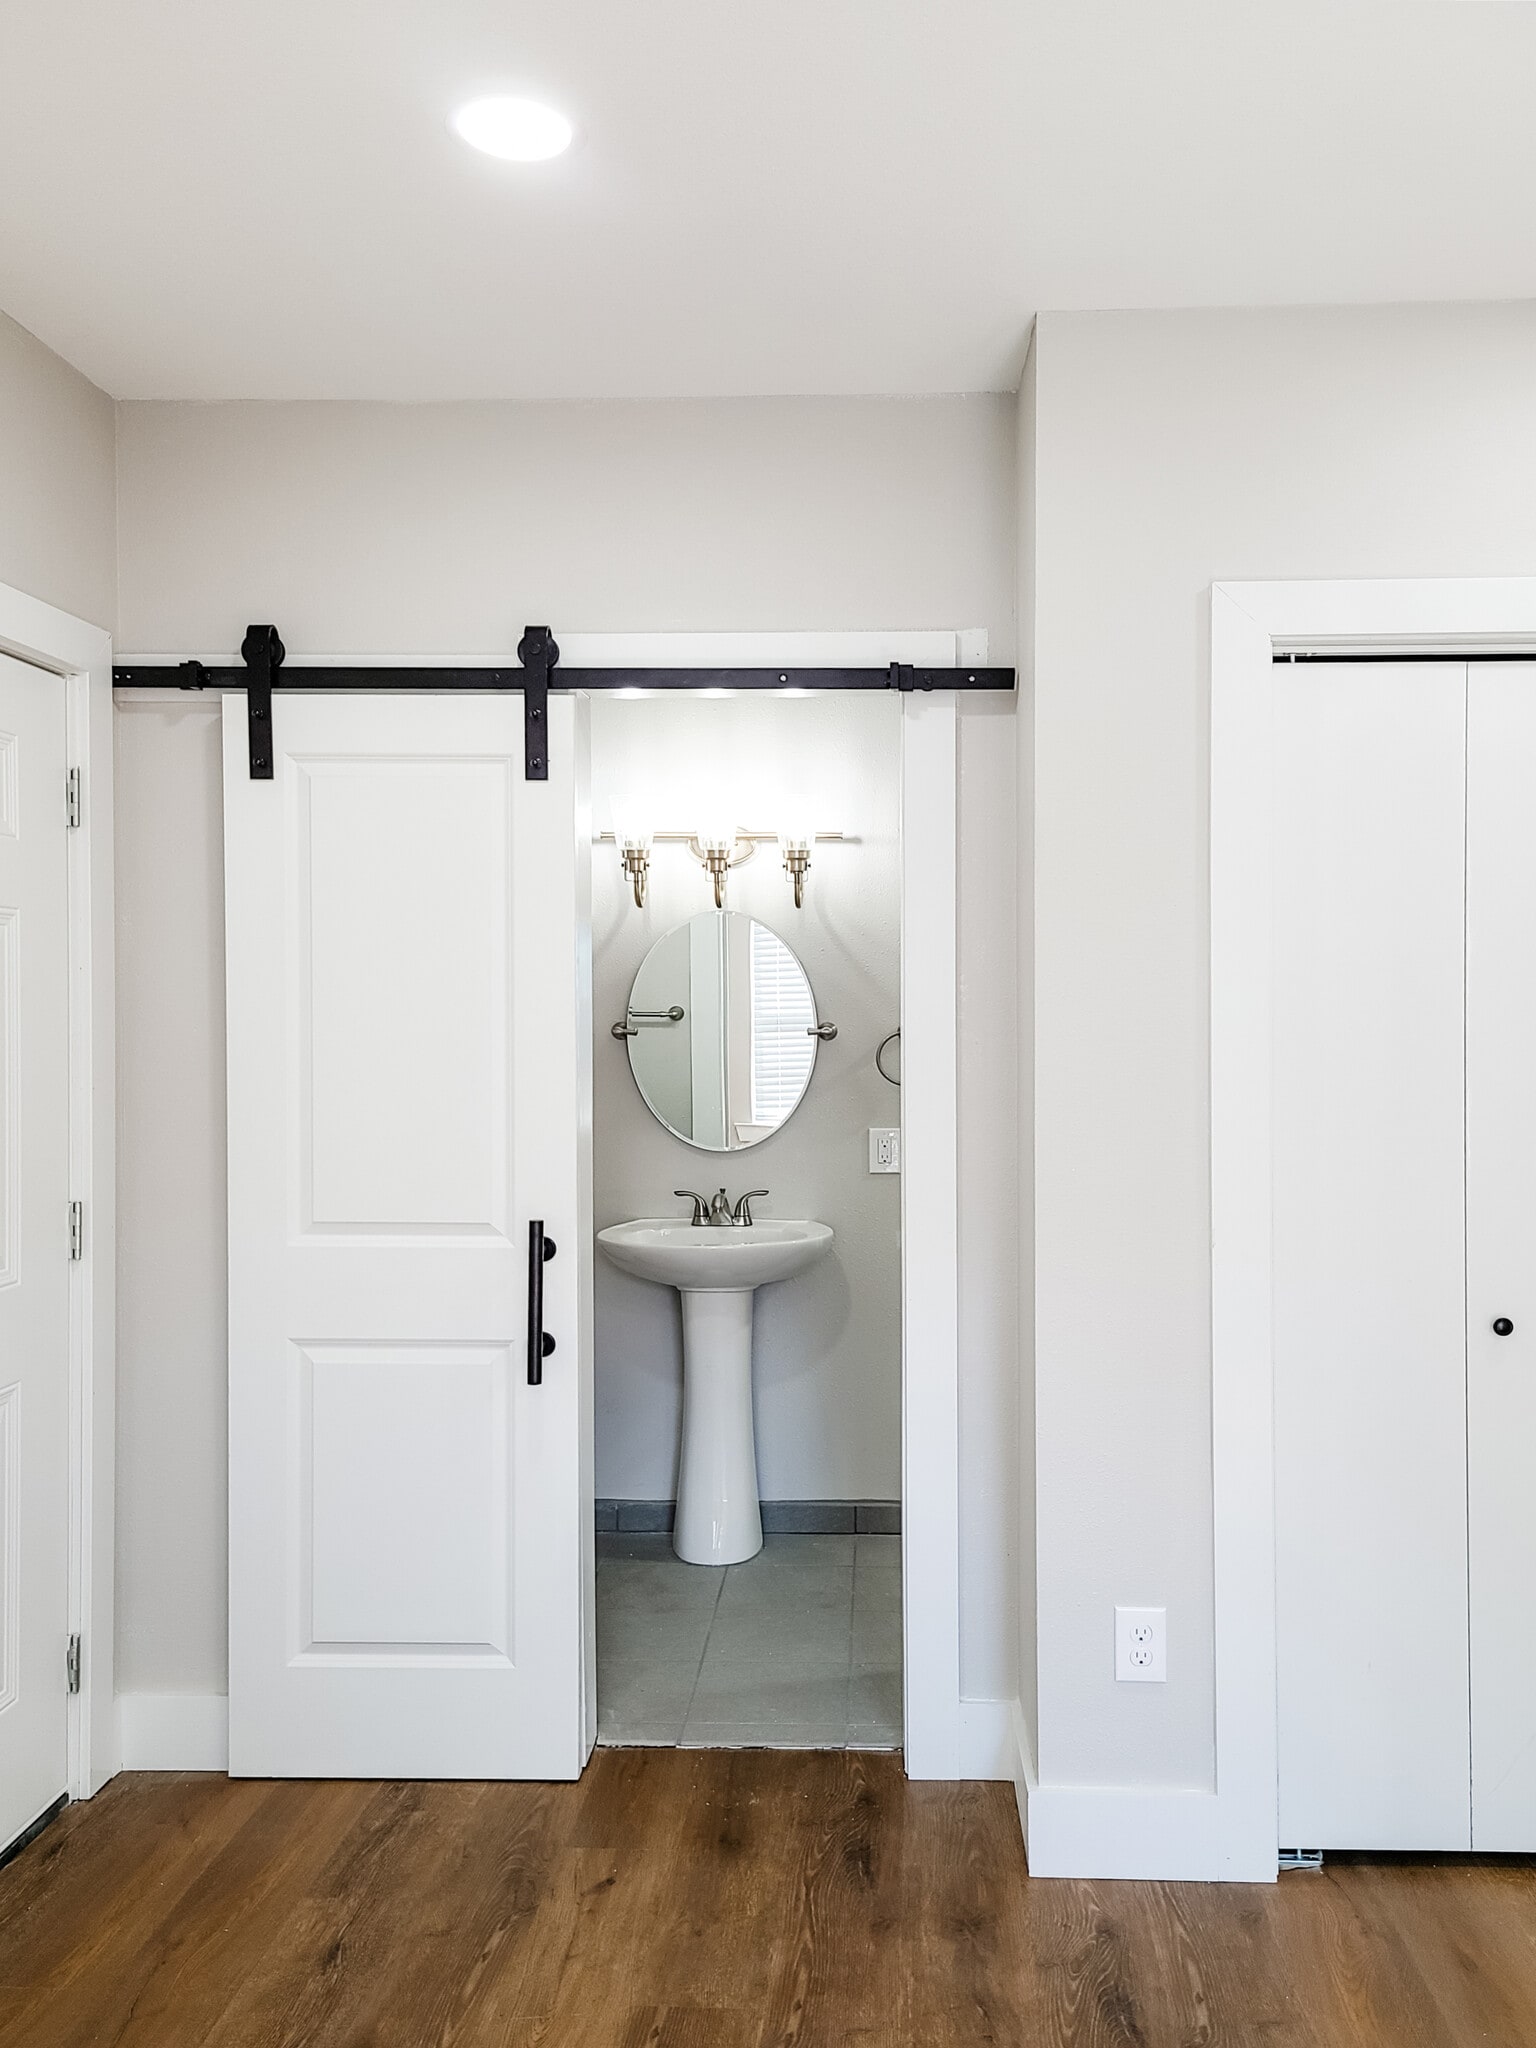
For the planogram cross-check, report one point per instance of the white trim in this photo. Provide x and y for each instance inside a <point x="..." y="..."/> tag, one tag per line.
<point x="1249" y="623"/>
<point x="81" y="655"/>
<point x="1109" y="1831"/>
<point x="1021" y="1758"/>
<point x="930" y="1347"/>
<point x="173" y="1731"/>
<point x="987" y="1739"/>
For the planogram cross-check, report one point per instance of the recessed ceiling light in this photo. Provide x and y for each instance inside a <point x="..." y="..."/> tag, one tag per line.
<point x="519" y="131"/>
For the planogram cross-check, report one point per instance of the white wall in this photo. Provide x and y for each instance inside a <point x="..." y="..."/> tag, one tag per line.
<point x="1174" y="450"/>
<point x="362" y="528"/>
<point x="57" y="491"/>
<point x="827" y="1350"/>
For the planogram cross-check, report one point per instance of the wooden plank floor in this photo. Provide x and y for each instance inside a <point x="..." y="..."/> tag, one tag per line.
<point x="709" y="1899"/>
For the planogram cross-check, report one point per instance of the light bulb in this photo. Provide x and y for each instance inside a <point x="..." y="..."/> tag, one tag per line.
<point x="630" y="828"/>
<point x="718" y="836"/>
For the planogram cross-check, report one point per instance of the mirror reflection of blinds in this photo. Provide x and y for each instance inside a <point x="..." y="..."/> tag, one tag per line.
<point x="782" y="1015"/>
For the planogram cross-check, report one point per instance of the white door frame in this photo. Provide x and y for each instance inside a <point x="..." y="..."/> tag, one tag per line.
<point x="80" y="654"/>
<point x="1233" y="1833"/>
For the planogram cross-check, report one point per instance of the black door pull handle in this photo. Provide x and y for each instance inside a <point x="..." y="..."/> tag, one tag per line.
<point x="540" y="1343"/>
<point x="1503" y="1327"/>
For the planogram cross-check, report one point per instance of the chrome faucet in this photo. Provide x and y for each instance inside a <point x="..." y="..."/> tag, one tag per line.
<point x="718" y="1214"/>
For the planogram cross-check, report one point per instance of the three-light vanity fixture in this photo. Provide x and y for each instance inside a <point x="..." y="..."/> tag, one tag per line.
<point x="718" y="845"/>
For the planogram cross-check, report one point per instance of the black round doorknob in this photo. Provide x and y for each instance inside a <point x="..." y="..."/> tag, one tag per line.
<point x="1503" y="1327"/>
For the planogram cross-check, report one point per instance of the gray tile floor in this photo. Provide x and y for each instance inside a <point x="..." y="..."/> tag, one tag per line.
<point x="798" y="1649"/>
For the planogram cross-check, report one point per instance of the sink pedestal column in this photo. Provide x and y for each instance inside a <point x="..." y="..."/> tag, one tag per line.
<point x="718" y="1519"/>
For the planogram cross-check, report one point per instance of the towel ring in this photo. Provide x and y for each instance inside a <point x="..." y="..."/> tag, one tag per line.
<point x="894" y="1079"/>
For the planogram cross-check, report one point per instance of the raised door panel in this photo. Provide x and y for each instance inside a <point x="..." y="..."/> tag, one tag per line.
<point x="1501" y="1249"/>
<point x="402" y="915"/>
<point x="1370" y="1432"/>
<point x="403" y="1489"/>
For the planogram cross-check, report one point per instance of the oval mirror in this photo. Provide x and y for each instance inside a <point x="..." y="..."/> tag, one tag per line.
<point x="721" y="1028"/>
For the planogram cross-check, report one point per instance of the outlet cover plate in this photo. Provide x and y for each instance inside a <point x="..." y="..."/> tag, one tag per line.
<point x="885" y="1150"/>
<point x="1141" y="1645"/>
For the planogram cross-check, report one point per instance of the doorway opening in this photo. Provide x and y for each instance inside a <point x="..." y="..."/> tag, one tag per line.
<point x="746" y="916"/>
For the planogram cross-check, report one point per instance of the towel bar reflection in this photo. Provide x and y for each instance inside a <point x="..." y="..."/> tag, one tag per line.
<point x="635" y="1018"/>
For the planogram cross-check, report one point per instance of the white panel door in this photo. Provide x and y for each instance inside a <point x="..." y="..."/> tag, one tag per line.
<point x="34" y="1247"/>
<point x="1501" y="1249"/>
<point x="1369" y="1265"/>
<point x="410" y="1555"/>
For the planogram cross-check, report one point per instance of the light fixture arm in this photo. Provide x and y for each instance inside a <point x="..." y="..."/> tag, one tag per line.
<point x="797" y="861"/>
<point x="637" y="863"/>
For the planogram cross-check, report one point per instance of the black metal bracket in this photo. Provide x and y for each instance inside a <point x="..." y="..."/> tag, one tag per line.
<point x="538" y="653"/>
<point x="262" y="652"/>
<point x="904" y="676"/>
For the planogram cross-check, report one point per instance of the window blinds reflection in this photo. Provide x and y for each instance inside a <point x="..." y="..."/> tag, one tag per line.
<point x="782" y="1018"/>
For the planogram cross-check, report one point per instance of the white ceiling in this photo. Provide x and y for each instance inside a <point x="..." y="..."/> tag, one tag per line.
<point x="261" y="198"/>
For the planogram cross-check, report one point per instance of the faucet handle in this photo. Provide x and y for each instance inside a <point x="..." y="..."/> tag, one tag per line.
<point x="699" y="1208"/>
<point x="742" y="1213"/>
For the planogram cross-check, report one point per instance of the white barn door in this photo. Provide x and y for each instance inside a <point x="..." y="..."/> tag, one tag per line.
<point x="410" y="1551"/>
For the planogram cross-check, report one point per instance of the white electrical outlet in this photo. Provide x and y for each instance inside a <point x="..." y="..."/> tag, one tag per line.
<point x="1141" y="1644"/>
<point x="885" y="1151"/>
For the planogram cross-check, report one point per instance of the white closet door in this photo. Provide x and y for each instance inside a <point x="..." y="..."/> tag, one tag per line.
<point x="34" y="1247"/>
<point x="410" y="1556"/>
<point x="1371" y="1544"/>
<point x="1501" y="1249"/>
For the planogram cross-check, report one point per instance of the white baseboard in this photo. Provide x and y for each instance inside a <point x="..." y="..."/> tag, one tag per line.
<point x="173" y="1731"/>
<point x="1021" y="1759"/>
<point x="1118" y="1831"/>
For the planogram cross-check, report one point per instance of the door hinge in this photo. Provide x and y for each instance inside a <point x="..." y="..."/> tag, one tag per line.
<point x="77" y="1230"/>
<point x="72" y="1663"/>
<point x="73" y="797"/>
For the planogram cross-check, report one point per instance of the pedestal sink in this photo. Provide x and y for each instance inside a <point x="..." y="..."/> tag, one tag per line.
<point x="716" y="1271"/>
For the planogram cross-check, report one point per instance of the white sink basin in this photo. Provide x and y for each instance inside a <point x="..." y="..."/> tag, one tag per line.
<point x="718" y="1520"/>
<point x="711" y="1260"/>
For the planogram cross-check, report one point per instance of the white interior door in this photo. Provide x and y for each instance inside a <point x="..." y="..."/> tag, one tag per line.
<point x="34" y="1247"/>
<point x="1501" y="1249"/>
<point x="1369" y="1258"/>
<point x="410" y="1519"/>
